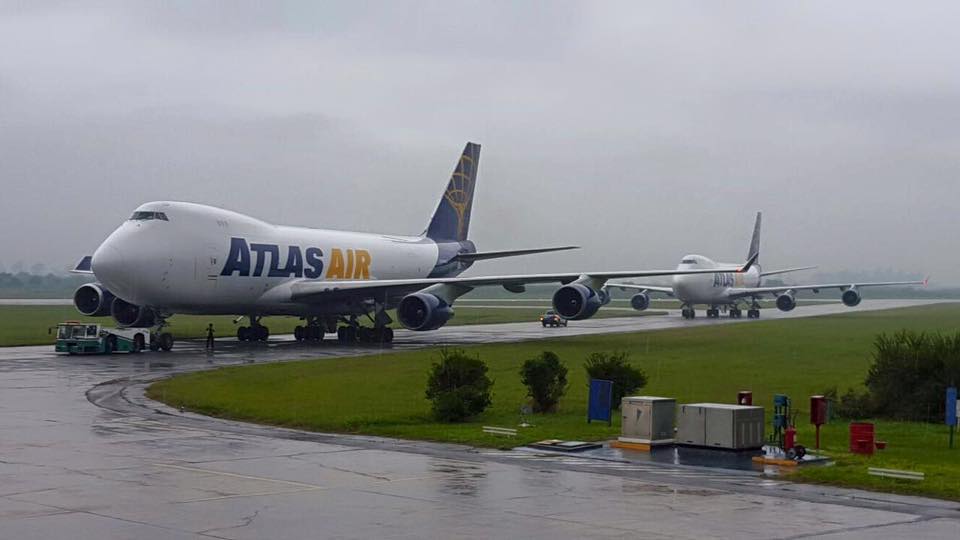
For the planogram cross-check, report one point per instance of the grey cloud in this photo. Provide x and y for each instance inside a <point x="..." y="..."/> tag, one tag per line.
<point x="640" y="131"/>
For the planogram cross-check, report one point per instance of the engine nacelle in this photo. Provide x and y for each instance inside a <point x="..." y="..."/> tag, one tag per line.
<point x="640" y="301"/>
<point x="576" y="302"/>
<point x="604" y="294"/>
<point x="786" y="301"/>
<point x="850" y="297"/>
<point x="132" y="315"/>
<point x="423" y="311"/>
<point x="93" y="300"/>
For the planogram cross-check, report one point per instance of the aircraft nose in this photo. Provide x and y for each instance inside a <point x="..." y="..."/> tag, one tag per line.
<point x="108" y="265"/>
<point x="106" y="259"/>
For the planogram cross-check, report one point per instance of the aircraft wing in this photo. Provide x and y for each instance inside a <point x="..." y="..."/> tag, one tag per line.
<point x="786" y="271"/>
<point x="652" y="288"/>
<point x="485" y="255"/>
<point x="740" y="292"/>
<point x="309" y="291"/>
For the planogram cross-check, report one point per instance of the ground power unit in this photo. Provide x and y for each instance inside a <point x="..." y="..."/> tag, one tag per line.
<point x="719" y="425"/>
<point x="647" y="420"/>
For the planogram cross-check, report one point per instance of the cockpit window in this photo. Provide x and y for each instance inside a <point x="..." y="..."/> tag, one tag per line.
<point x="688" y="261"/>
<point x="146" y="216"/>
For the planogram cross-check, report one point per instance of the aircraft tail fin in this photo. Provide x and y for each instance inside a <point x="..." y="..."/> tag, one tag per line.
<point x="451" y="220"/>
<point x="754" y="251"/>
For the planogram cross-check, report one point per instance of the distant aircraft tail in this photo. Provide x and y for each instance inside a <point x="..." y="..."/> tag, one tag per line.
<point x="451" y="220"/>
<point x="754" y="253"/>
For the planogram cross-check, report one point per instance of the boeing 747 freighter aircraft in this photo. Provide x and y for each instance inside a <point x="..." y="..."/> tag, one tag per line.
<point x="730" y="288"/>
<point x="176" y="257"/>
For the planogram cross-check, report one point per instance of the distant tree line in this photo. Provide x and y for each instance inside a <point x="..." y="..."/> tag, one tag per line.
<point x="27" y="285"/>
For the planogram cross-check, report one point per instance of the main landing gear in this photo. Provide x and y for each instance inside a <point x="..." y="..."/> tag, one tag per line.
<point x="754" y="311"/>
<point x="734" y="312"/>
<point x="713" y="313"/>
<point x="687" y="312"/>
<point x="313" y="331"/>
<point x="352" y="332"/>
<point x="160" y="340"/>
<point x="349" y="331"/>
<point x="254" y="332"/>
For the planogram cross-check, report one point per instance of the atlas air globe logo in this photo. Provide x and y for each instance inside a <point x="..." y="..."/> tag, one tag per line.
<point x="258" y="259"/>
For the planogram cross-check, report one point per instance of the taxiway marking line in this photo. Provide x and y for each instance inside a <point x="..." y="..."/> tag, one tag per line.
<point x="234" y="475"/>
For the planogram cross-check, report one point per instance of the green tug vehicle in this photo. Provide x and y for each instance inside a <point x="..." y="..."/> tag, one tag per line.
<point x="74" y="337"/>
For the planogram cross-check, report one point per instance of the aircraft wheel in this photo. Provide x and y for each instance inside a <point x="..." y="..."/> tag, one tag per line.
<point x="387" y="334"/>
<point x="263" y="333"/>
<point x="111" y="344"/>
<point x="298" y="333"/>
<point x="365" y="334"/>
<point x="137" y="343"/>
<point x="315" y="333"/>
<point x="166" y="341"/>
<point x="347" y="335"/>
<point x="243" y="333"/>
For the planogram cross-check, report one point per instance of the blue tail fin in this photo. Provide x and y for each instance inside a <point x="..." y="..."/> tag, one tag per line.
<point x="451" y="220"/>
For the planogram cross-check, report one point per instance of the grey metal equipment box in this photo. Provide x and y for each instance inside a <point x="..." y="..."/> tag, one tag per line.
<point x="647" y="419"/>
<point x="719" y="425"/>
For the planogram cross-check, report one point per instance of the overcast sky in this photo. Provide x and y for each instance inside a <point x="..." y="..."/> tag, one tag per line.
<point x="640" y="131"/>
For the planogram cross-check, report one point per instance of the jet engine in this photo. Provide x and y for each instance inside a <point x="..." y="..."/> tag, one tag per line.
<point x="604" y="296"/>
<point x="576" y="302"/>
<point x="640" y="301"/>
<point x="93" y="300"/>
<point x="850" y="297"/>
<point x="132" y="315"/>
<point x="423" y="311"/>
<point x="786" y="301"/>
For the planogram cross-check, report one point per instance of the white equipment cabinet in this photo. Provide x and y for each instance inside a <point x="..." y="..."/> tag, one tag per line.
<point x="720" y="425"/>
<point x="647" y="419"/>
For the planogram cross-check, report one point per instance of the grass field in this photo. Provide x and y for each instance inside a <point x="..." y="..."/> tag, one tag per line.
<point x="798" y="357"/>
<point x="27" y="325"/>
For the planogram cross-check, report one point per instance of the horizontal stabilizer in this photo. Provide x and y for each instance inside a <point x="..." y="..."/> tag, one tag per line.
<point x="786" y="271"/>
<point x="484" y="255"/>
<point x="85" y="266"/>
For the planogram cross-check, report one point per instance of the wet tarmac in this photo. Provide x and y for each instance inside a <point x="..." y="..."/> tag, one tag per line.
<point x="83" y="454"/>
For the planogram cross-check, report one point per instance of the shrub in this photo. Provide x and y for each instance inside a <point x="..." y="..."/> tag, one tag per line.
<point x="458" y="386"/>
<point x="910" y="373"/>
<point x="546" y="380"/>
<point x="852" y="405"/>
<point x="613" y="366"/>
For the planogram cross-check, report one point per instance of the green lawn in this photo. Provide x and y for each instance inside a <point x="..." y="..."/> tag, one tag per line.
<point x="383" y="394"/>
<point x="27" y="325"/>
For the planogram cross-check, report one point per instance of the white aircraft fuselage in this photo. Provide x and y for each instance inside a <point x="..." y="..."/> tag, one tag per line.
<point x="205" y="260"/>
<point x="711" y="289"/>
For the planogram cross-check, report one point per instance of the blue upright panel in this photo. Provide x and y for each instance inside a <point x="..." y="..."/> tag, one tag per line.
<point x="600" y="406"/>
<point x="952" y="406"/>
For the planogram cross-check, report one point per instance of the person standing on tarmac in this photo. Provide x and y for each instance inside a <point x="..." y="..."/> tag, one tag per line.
<point x="209" y="345"/>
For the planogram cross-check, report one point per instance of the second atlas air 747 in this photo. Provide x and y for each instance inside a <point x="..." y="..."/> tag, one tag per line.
<point x="729" y="288"/>
<point x="176" y="257"/>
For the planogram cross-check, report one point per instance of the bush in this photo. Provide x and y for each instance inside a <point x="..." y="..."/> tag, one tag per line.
<point x="853" y="405"/>
<point x="910" y="374"/>
<point x="458" y="386"/>
<point x="546" y="380"/>
<point x="613" y="366"/>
